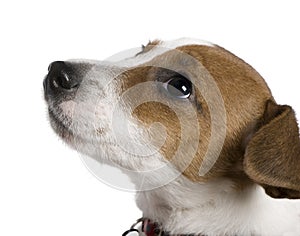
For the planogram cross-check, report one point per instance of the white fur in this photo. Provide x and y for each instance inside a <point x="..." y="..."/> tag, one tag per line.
<point x="213" y="208"/>
<point x="217" y="209"/>
<point x="162" y="47"/>
<point x="185" y="41"/>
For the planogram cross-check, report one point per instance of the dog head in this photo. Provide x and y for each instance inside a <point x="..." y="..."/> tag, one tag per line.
<point x="183" y="107"/>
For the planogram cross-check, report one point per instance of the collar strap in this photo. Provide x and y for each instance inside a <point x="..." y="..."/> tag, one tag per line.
<point x="150" y="228"/>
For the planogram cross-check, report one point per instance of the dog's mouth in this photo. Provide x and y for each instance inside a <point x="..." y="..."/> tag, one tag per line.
<point x="61" y="125"/>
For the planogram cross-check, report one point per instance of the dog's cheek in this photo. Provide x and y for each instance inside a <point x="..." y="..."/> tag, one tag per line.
<point x="188" y="159"/>
<point x="152" y="113"/>
<point x="192" y="169"/>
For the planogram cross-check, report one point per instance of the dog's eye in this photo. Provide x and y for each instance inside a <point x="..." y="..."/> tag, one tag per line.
<point x="178" y="86"/>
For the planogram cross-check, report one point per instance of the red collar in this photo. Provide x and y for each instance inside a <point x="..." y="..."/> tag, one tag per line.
<point x="149" y="228"/>
<point x="146" y="226"/>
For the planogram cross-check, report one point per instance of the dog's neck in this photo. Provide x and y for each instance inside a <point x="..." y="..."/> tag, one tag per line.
<point x="217" y="208"/>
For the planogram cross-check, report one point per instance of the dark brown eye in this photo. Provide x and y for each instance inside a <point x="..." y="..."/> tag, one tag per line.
<point x="179" y="87"/>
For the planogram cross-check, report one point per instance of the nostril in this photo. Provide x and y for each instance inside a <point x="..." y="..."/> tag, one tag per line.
<point x="64" y="81"/>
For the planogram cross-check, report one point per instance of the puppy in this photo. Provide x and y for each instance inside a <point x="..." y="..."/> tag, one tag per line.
<point x="197" y="131"/>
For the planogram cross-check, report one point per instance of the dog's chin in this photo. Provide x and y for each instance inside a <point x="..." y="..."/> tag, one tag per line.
<point x="62" y="129"/>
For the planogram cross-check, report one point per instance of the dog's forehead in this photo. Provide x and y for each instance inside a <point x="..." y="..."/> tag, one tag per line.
<point x="159" y="48"/>
<point x="172" y="44"/>
<point x="135" y="56"/>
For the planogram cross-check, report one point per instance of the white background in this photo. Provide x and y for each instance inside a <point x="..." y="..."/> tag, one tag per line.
<point x="44" y="187"/>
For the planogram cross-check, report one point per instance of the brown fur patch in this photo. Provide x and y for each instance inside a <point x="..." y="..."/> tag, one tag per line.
<point x="244" y="93"/>
<point x="151" y="112"/>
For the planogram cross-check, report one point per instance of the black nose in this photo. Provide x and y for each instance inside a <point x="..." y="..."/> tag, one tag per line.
<point x="61" y="77"/>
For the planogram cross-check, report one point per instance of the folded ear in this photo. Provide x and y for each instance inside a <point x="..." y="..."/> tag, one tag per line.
<point x="272" y="156"/>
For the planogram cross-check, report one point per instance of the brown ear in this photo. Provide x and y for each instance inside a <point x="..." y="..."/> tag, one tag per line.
<point x="272" y="156"/>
